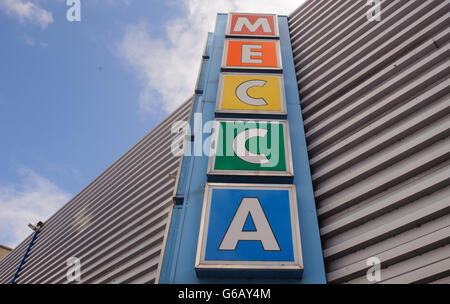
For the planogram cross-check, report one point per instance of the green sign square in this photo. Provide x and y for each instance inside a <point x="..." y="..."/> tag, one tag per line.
<point x="255" y="146"/>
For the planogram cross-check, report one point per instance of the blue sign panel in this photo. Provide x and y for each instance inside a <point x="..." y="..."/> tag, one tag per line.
<point x="249" y="228"/>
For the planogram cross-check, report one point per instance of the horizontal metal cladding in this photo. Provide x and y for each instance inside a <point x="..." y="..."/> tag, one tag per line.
<point x="375" y="104"/>
<point x="116" y="225"/>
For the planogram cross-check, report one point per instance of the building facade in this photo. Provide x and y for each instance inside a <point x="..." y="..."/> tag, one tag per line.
<point x="375" y="104"/>
<point x="374" y="108"/>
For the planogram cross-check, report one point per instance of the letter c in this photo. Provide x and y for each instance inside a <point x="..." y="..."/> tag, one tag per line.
<point x="242" y="92"/>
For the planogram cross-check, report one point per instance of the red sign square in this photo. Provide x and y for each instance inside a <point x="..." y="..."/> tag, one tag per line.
<point x="261" y="25"/>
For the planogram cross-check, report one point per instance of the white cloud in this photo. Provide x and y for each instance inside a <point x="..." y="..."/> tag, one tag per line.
<point x="168" y="68"/>
<point x="27" y="11"/>
<point x="33" y="200"/>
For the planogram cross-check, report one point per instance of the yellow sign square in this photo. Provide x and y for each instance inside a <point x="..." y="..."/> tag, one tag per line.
<point x="251" y="93"/>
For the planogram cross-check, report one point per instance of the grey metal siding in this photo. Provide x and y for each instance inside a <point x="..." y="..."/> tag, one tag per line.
<point x="375" y="104"/>
<point x="116" y="225"/>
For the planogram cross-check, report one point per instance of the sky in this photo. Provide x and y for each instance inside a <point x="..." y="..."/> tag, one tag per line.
<point x="75" y="96"/>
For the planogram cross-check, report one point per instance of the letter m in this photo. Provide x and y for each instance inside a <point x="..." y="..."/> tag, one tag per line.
<point x="252" y="27"/>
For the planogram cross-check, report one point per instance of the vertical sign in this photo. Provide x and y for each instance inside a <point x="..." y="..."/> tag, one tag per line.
<point x="250" y="229"/>
<point x="259" y="224"/>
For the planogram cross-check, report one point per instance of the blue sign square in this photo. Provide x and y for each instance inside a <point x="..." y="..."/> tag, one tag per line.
<point x="276" y="207"/>
<point x="249" y="229"/>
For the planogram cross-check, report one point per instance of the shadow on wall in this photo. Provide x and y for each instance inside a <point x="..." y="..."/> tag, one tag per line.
<point x="4" y="251"/>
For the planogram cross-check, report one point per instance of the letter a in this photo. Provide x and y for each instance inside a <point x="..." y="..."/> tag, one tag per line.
<point x="263" y="232"/>
<point x="74" y="271"/>
<point x="74" y="12"/>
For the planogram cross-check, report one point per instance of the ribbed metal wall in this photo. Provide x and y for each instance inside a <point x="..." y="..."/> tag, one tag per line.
<point x="375" y="103"/>
<point x="116" y="225"/>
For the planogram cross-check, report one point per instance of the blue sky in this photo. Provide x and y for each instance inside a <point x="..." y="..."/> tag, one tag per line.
<point x="74" y="96"/>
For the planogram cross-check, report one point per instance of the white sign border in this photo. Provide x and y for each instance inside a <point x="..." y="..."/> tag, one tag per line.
<point x="202" y="264"/>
